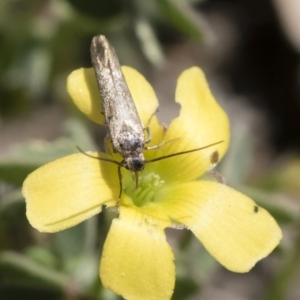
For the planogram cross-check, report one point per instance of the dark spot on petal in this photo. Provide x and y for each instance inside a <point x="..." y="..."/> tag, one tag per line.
<point x="256" y="208"/>
<point x="214" y="158"/>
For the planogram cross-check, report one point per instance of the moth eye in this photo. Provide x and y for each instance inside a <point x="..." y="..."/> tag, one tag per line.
<point x="137" y="164"/>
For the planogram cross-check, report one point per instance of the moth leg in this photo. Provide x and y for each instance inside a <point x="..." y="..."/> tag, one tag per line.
<point x="161" y="144"/>
<point x="149" y="136"/>
<point x="148" y="140"/>
<point x="121" y="185"/>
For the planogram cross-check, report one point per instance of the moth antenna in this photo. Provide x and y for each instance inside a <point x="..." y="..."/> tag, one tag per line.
<point x="100" y="158"/>
<point x="183" y="152"/>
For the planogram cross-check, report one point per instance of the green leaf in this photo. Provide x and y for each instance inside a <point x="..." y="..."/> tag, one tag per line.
<point x="25" y="158"/>
<point x="42" y="256"/>
<point x="184" y="288"/>
<point x="181" y="16"/>
<point x="20" y="266"/>
<point x="98" y="9"/>
<point x="15" y="291"/>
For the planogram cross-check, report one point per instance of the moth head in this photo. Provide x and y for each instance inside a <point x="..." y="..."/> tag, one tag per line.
<point x="135" y="163"/>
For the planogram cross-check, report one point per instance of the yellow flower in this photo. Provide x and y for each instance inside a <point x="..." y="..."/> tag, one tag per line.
<point x="137" y="262"/>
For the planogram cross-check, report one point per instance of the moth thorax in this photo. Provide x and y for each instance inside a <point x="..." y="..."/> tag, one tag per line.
<point x="132" y="145"/>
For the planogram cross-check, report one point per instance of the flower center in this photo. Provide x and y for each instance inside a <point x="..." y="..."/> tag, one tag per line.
<point x="149" y="183"/>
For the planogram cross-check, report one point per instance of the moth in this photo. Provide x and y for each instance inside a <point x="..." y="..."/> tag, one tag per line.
<point x="124" y="125"/>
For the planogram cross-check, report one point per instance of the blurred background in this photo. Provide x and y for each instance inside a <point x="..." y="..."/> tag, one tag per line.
<point x="249" y="51"/>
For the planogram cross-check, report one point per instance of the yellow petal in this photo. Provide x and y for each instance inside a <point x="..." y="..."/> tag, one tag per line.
<point x="69" y="190"/>
<point x="83" y="89"/>
<point x="230" y="225"/>
<point x="143" y="199"/>
<point x="142" y="93"/>
<point x="201" y="122"/>
<point x="137" y="262"/>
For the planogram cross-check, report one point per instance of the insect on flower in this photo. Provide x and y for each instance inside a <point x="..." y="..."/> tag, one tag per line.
<point x="125" y="128"/>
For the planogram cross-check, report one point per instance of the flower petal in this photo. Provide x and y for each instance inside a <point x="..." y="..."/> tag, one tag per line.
<point x="69" y="190"/>
<point x="142" y="93"/>
<point x="137" y="262"/>
<point x="201" y="122"/>
<point x="83" y="89"/>
<point x="230" y="225"/>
